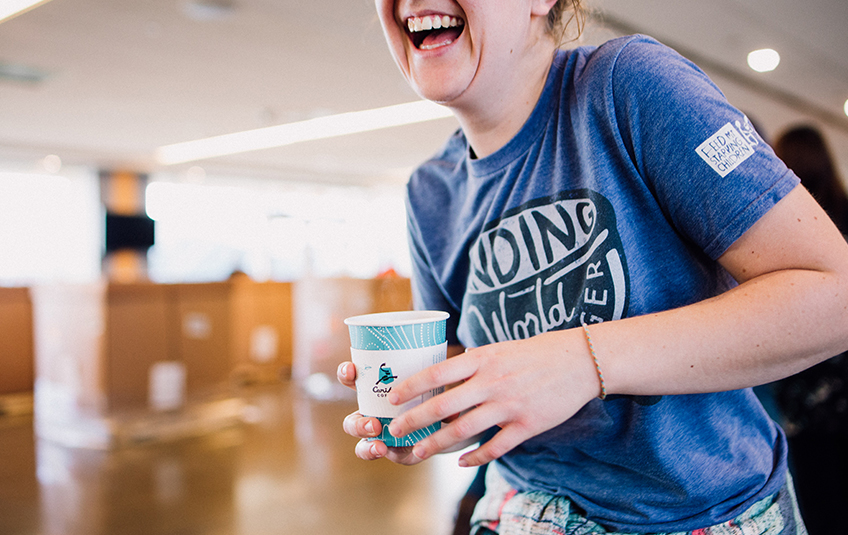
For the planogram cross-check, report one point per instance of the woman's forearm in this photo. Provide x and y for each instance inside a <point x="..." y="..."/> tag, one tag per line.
<point x="765" y="329"/>
<point x="789" y="312"/>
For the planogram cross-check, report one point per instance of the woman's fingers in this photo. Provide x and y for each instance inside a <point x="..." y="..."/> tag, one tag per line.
<point x="360" y="426"/>
<point x="405" y="456"/>
<point x="441" y="408"/>
<point x="460" y="433"/>
<point x="346" y="374"/>
<point x="448" y="372"/>
<point x="357" y="425"/>
<point x="506" y="439"/>
<point x="370" y="450"/>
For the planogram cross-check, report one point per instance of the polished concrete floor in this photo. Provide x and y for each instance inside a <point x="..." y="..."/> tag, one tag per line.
<point x="288" y="468"/>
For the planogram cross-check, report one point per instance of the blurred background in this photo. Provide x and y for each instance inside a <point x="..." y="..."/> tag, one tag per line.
<point x="171" y="300"/>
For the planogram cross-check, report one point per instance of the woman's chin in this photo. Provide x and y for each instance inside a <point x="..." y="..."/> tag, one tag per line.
<point x="438" y="93"/>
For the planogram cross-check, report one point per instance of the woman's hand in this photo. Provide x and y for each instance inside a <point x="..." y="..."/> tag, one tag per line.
<point x="362" y="427"/>
<point x="524" y="387"/>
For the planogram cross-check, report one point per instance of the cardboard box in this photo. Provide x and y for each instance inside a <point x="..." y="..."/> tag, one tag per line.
<point x="261" y="322"/>
<point x="17" y="362"/>
<point x="392" y="294"/>
<point x="138" y="321"/>
<point x="203" y="340"/>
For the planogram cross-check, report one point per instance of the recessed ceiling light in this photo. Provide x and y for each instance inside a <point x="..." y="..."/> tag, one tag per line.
<point x="845" y="108"/>
<point x="203" y="10"/>
<point x="12" y="72"/>
<point x="52" y="163"/>
<point x="764" y="60"/>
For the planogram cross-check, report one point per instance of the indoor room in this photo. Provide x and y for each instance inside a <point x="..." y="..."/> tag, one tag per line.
<point x="196" y="194"/>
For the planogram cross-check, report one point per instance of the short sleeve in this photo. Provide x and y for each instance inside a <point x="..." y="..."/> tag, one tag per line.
<point x="712" y="174"/>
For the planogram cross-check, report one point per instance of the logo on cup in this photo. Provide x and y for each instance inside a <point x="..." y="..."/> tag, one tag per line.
<point x="386" y="376"/>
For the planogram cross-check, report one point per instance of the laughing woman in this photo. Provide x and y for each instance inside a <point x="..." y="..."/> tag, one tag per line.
<point x="624" y="257"/>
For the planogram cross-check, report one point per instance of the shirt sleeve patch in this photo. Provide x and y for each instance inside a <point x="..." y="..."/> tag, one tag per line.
<point x="731" y="145"/>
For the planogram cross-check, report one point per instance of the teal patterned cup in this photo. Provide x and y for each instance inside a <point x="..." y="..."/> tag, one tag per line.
<point x="387" y="348"/>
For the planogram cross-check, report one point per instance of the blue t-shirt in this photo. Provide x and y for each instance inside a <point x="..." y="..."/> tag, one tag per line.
<point x="629" y="179"/>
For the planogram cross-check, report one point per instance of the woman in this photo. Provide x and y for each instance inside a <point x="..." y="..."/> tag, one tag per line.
<point x="623" y="257"/>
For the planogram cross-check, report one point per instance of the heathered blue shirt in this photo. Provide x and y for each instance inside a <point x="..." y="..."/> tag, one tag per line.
<point x="630" y="178"/>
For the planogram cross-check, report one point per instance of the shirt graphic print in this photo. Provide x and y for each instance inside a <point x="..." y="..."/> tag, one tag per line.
<point x="552" y="263"/>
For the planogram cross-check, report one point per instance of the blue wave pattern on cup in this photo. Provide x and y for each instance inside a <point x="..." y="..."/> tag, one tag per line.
<point x="412" y="336"/>
<point x="407" y="441"/>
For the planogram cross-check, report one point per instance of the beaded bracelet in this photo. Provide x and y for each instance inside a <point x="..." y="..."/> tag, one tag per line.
<point x="595" y="359"/>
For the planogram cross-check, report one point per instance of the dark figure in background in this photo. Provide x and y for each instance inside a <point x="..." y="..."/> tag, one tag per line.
<point x="805" y="151"/>
<point x="814" y="403"/>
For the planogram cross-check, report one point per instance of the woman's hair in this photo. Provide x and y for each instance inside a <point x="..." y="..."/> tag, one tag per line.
<point x="804" y="150"/>
<point x="558" y="22"/>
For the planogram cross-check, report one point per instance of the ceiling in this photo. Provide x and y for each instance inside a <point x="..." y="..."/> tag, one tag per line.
<point x="106" y="82"/>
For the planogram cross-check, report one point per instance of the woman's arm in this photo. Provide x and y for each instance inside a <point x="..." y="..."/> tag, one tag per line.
<point x="789" y="312"/>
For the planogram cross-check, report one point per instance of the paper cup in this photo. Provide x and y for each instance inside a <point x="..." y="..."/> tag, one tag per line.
<point x="388" y="348"/>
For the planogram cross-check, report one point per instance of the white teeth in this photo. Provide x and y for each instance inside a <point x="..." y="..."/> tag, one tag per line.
<point x="432" y="22"/>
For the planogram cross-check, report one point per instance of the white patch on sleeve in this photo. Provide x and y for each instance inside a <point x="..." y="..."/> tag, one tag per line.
<point x="726" y="149"/>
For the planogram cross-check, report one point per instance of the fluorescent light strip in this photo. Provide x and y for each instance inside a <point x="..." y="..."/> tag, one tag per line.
<point x="312" y="129"/>
<point x="11" y="8"/>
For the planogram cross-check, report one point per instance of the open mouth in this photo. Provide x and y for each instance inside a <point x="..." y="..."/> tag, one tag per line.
<point x="434" y="31"/>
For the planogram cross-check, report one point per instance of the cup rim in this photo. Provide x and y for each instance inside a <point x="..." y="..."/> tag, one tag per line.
<point x="392" y="319"/>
